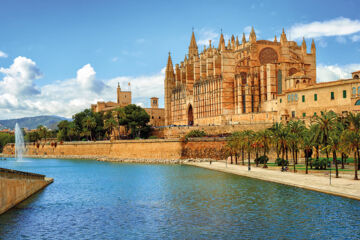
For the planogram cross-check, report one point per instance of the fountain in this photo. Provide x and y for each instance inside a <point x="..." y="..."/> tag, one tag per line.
<point x="19" y="143"/>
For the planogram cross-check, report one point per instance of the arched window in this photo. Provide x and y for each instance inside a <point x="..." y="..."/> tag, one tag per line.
<point x="296" y="97"/>
<point x="354" y="90"/>
<point x="356" y="77"/>
<point x="291" y="97"/>
<point x="279" y="79"/>
<point x="357" y="102"/>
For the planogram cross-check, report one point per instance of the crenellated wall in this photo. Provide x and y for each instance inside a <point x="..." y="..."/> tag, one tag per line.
<point x="16" y="186"/>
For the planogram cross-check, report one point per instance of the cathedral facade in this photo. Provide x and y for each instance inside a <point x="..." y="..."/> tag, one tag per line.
<point x="251" y="81"/>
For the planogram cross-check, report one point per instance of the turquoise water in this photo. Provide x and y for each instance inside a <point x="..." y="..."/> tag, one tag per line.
<point x="97" y="200"/>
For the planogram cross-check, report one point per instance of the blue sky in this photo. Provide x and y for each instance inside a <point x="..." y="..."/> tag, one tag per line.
<point x="57" y="57"/>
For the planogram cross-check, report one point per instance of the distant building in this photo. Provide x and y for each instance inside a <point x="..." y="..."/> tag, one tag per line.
<point x="252" y="81"/>
<point x="157" y="115"/>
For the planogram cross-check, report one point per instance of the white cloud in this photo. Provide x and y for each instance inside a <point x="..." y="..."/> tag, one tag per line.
<point x="86" y="76"/>
<point x="114" y="59"/>
<point x="207" y="34"/>
<point x="327" y="73"/>
<point x="140" y="40"/>
<point x="335" y="27"/>
<point x="3" y="55"/>
<point x="355" y="38"/>
<point x="20" y="76"/>
<point x="66" y="97"/>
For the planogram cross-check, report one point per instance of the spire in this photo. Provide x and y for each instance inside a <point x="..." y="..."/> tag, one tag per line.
<point x="275" y="40"/>
<point x="221" y="42"/>
<point x="243" y="39"/>
<point x="169" y="65"/>
<point x="229" y="44"/>
<point x="313" y="48"/>
<point x="118" y="85"/>
<point x="193" y="49"/>
<point x="237" y="41"/>
<point x="252" y="37"/>
<point x="303" y="46"/>
<point x="283" y="37"/>
<point x="210" y="43"/>
<point x="232" y="42"/>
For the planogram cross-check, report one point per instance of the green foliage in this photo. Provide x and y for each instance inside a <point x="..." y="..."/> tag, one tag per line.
<point x="6" y="138"/>
<point x="320" y="163"/>
<point x="280" y="162"/>
<point x="262" y="159"/>
<point x="195" y="133"/>
<point x="153" y="137"/>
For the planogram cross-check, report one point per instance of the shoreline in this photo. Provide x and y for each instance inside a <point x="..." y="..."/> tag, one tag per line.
<point x="341" y="187"/>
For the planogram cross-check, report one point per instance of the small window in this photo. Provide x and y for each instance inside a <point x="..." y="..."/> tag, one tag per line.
<point x="358" y="90"/>
<point x="159" y="117"/>
<point x="332" y="96"/>
<point x="344" y="93"/>
<point x="354" y="90"/>
<point x="296" y="97"/>
<point x="280" y="100"/>
<point x="289" y="98"/>
<point x="303" y="98"/>
<point x="314" y="113"/>
<point x="304" y="114"/>
<point x="152" y="117"/>
<point x="315" y="97"/>
<point x="293" y="114"/>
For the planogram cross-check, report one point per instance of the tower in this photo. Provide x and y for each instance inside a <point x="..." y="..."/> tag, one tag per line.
<point x="303" y="47"/>
<point x="193" y="49"/>
<point x="169" y="83"/>
<point x="154" y="102"/>
<point x="118" y="91"/>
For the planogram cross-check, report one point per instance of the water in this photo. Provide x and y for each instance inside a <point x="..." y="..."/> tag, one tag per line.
<point x="19" y="143"/>
<point x="97" y="200"/>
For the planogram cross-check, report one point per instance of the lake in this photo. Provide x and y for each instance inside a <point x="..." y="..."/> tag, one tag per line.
<point x="100" y="200"/>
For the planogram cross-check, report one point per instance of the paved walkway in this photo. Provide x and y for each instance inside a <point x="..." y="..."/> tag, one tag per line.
<point x="339" y="186"/>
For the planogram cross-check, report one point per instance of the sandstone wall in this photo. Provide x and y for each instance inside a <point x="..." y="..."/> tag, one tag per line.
<point x="16" y="186"/>
<point x="135" y="149"/>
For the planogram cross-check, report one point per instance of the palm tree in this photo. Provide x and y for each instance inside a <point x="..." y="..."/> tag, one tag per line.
<point x="350" y="140"/>
<point x="248" y="139"/>
<point x="274" y="131"/>
<point x="264" y="137"/>
<point x="109" y="125"/>
<point x="296" y="130"/>
<point x="354" y="125"/>
<point x="89" y="123"/>
<point x="326" y="123"/>
<point x="307" y="146"/>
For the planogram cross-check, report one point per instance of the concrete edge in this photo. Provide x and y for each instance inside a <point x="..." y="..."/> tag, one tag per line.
<point x="282" y="182"/>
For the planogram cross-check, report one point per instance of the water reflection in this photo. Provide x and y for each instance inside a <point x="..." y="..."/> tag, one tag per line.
<point x="95" y="200"/>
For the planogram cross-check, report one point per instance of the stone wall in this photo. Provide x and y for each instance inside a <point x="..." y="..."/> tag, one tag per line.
<point x="16" y="186"/>
<point x="178" y="132"/>
<point x="135" y="149"/>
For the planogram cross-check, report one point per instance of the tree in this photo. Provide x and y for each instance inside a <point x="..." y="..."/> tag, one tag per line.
<point x="89" y="124"/>
<point x="109" y="125"/>
<point x="351" y="143"/>
<point x="307" y="146"/>
<point x="264" y="137"/>
<point x="136" y="119"/>
<point x="43" y="132"/>
<point x="326" y="123"/>
<point x="295" y="129"/>
<point x="248" y="139"/>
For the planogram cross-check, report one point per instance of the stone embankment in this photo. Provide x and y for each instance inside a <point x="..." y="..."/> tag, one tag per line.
<point x="343" y="187"/>
<point x="16" y="186"/>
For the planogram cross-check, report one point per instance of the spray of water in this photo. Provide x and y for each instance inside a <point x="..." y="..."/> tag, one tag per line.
<point x="19" y="143"/>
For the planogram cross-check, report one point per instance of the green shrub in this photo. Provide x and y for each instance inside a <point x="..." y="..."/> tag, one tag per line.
<point x="320" y="163"/>
<point x="137" y="138"/>
<point x="153" y="137"/>
<point x="195" y="133"/>
<point x="279" y="162"/>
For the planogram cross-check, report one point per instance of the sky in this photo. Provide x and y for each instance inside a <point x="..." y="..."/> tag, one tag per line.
<point x="58" y="57"/>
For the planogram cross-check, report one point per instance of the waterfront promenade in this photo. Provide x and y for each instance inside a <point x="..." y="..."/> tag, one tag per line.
<point x="339" y="186"/>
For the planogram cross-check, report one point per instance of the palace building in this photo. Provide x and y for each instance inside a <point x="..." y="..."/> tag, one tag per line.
<point x="157" y="115"/>
<point x="252" y="81"/>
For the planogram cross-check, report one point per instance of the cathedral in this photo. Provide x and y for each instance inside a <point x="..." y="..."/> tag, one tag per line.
<point x="252" y="81"/>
